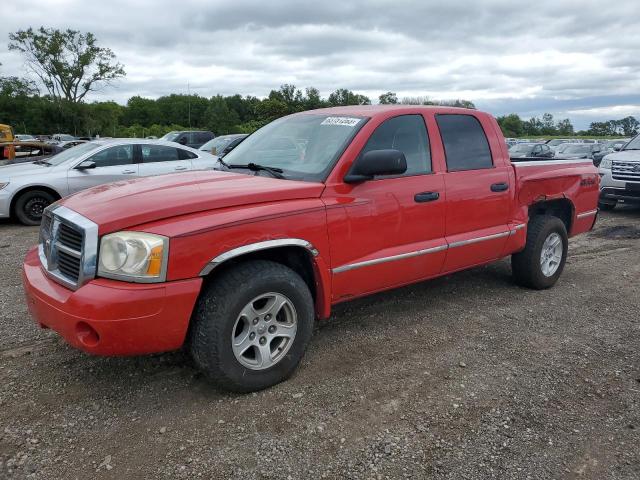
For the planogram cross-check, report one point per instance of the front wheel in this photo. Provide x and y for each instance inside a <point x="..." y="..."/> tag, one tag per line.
<point x="30" y="206"/>
<point x="541" y="262"/>
<point x="252" y="325"/>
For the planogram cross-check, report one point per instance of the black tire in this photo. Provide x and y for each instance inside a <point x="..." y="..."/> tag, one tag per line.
<point x="30" y="205"/>
<point x="217" y="310"/>
<point x="526" y="266"/>
<point x="607" y="207"/>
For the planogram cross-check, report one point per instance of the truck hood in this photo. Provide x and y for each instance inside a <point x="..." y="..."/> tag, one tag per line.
<point x="120" y="205"/>
<point x="625" y="156"/>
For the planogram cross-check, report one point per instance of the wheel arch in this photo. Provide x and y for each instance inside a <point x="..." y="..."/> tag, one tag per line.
<point x="561" y="208"/>
<point x="299" y="255"/>
<point x="30" y="188"/>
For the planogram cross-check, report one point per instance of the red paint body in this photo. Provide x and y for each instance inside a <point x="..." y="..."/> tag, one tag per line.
<point x="208" y="213"/>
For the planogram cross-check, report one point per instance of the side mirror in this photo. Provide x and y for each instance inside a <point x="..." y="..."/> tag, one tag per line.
<point x="86" y="165"/>
<point x="617" y="148"/>
<point x="376" y="162"/>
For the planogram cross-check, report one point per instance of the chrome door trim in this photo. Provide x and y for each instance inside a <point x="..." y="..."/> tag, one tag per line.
<point x="254" y="247"/>
<point x="590" y="213"/>
<point x="401" y="256"/>
<point x="471" y="241"/>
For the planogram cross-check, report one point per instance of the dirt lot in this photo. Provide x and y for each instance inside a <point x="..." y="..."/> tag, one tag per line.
<point x="465" y="377"/>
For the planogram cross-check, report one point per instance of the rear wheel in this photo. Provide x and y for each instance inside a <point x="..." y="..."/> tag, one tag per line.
<point x="30" y="205"/>
<point x="541" y="262"/>
<point x="252" y="325"/>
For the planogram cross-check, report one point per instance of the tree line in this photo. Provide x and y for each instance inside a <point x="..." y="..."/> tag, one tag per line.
<point x="68" y="65"/>
<point x="514" y="126"/>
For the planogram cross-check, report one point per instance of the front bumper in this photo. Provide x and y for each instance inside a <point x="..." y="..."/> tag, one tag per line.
<point x="617" y="194"/>
<point x="5" y="203"/>
<point x="107" y="317"/>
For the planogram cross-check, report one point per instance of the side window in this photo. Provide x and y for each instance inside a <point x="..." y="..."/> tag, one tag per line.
<point x="465" y="143"/>
<point x="203" y="137"/>
<point x="114" y="156"/>
<point x="158" y="153"/>
<point x="408" y="134"/>
<point x="185" y="154"/>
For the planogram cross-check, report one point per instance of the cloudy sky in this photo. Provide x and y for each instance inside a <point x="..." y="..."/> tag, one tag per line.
<point x="576" y="59"/>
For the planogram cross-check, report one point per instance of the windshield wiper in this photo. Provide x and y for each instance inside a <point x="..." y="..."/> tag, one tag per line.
<point x="254" y="167"/>
<point x="41" y="162"/>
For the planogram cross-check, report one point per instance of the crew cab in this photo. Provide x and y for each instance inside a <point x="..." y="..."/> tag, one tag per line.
<point x="236" y="265"/>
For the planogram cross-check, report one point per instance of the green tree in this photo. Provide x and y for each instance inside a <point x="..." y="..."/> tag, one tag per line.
<point x="68" y="63"/>
<point x="388" y="98"/>
<point x="342" y="97"/>
<point x="565" y="127"/>
<point x="511" y="125"/>
<point x="143" y="111"/>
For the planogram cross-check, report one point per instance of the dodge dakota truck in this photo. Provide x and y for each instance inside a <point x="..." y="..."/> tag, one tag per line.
<point x="314" y="209"/>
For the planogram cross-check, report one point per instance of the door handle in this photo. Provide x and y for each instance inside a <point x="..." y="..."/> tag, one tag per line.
<point x="500" y="187"/>
<point x="426" y="197"/>
<point x="128" y="172"/>
<point x="180" y="168"/>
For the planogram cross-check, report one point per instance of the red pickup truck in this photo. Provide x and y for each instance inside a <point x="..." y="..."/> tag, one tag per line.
<point x="313" y="209"/>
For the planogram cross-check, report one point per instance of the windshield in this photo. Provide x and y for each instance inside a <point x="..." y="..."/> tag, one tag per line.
<point x="521" y="148"/>
<point x="577" y="149"/>
<point x="216" y="145"/>
<point x="72" y="153"/>
<point x="304" y="146"/>
<point x="633" y="144"/>
<point x="170" y="137"/>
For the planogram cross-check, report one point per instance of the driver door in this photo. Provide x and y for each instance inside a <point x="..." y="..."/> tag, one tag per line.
<point x="112" y="164"/>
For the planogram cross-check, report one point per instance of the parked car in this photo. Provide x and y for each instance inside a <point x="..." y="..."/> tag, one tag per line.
<point x="578" y="150"/>
<point x="620" y="176"/>
<point x="530" y="150"/>
<point x="237" y="264"/>
<point x="193" y="139"/>
<point x="22" y="137"/>
<point x="223" y="144"/>
<point x="62" y="137"/>
<point x="27" y="189"/>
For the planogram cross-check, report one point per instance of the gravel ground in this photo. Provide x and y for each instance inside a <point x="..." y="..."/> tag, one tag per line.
<point x="464" y="377"/>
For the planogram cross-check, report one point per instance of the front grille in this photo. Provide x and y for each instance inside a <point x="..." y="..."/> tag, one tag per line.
<point x="68" y="246"/>
<point x="70" y="237"/>
<point x="629" y="171"/>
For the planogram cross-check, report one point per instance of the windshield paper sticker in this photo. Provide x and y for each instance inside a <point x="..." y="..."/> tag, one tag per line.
<point x="344" y="121"/>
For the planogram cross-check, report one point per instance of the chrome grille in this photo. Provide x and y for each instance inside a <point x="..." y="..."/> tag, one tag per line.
<point x="629" y="171"/>
<point x="68" y="246"/>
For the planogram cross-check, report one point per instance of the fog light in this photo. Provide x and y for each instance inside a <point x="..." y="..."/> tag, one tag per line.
<point x="87" y="334"/>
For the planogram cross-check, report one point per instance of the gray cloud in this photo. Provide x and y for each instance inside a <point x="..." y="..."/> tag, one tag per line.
<point x="575" y="59"/>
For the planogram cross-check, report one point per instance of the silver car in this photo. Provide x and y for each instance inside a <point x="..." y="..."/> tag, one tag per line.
<point x="27" y="188"/>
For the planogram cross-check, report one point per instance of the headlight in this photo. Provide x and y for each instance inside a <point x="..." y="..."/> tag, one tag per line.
<point x="2" y="185"/>
<point x="605" y="163"/>
<point x="134" y="257"/>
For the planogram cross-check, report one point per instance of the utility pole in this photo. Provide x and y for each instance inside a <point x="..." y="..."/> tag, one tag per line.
<point x="189" y="102"/>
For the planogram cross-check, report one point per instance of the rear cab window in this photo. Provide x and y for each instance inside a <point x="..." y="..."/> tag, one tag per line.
<point x="465" y="142"/>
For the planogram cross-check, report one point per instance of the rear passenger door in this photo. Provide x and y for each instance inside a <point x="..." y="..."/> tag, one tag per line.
<point x="160" y="159"/>
<point x="478" y="192"/>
